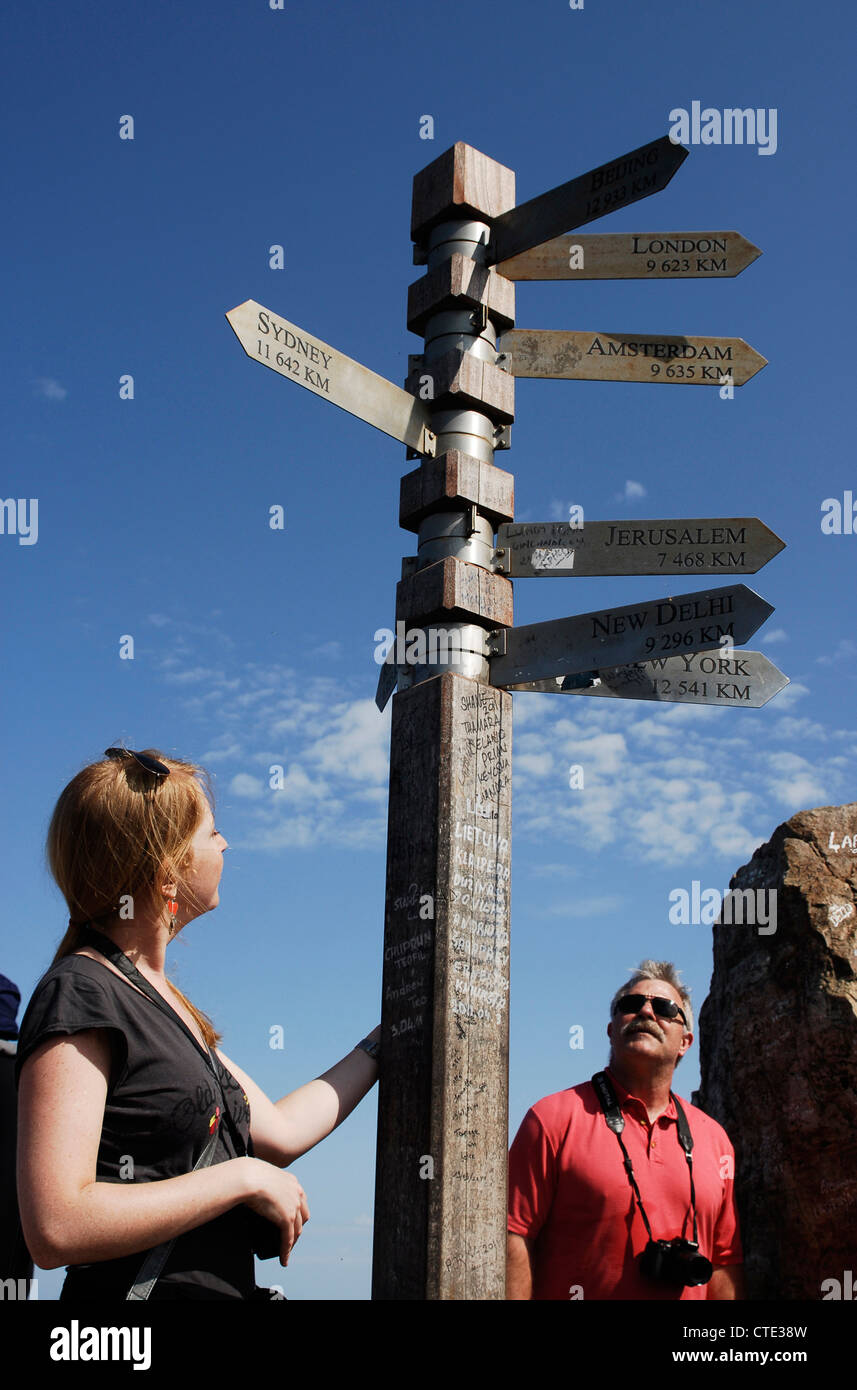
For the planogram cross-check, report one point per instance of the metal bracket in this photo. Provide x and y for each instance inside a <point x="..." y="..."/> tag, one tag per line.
<point x="501" y="562"/>
<point x="502" y="436"/>
<point x="420" y="255"/>
<point x="479" y="318"/>
<point x="496" y="642"/>
<point x="428" y="446"/>
<point x="415" y="361"/>
<point x="504" y="361"/>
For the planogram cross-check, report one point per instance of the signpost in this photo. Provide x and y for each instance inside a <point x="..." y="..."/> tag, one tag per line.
<point x="606" y="189"/>
<point x="743" y="679"/>
<point x="307" y="361"/>
<point x="584" y="356"/>
<point x="615" y="636"/>
<point x="440" y="1205"/>
<point x="635" y="256"/>
<point x="704" y="545"/>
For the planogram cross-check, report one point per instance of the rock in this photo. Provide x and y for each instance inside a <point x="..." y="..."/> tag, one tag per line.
<point x="778" y="1056"/>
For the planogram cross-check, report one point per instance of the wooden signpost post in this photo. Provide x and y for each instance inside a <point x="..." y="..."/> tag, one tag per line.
<point x="440" y="1203"/>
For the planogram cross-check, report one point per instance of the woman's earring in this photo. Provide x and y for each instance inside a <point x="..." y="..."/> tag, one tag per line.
<point x="172" y="908"/>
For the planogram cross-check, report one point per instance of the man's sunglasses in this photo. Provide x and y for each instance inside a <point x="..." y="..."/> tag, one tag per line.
<point x="152" y="765"/>
<point x="662" y="1008"/>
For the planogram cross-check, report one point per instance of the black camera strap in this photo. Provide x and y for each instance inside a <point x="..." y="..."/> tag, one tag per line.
<point x="616" y="1121"/>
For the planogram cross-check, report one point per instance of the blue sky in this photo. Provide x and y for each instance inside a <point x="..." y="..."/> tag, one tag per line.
<point x="300" y="127"/>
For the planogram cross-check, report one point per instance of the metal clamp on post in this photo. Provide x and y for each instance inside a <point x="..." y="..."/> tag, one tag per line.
<point x="500" y="562"/>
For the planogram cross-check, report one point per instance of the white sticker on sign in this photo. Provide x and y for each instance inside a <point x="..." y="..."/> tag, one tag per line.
<point x="552" y="557"/>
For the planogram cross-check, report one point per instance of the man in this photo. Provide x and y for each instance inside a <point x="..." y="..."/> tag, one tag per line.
<point x="575" y="1226"/>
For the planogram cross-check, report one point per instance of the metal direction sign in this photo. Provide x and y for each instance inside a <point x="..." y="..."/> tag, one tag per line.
<point x="325" y="371"/>
<point x="704" y="545"/>
<point x="585" y="356"/>
<point x="746" y="680"/>
<point x="387" y="681"/>
<point x="635" y="256"/>
<point x="619" y="636"/>
<point x="611" y="186"/>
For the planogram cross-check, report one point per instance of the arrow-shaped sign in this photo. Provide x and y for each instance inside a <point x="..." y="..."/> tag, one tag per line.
<point x="325" y="371"/>
<point x="619" y="636"/>
<point x="583" y="356"/>
<point x="605" y="189"/>
<point x="747" y="680"/>
<point x="704" y="545"/>
<point x="388" y="678"/>
<point x="634" y="256"/>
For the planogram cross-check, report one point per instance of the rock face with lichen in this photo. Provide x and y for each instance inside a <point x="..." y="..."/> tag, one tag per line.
<point x="778" y="1055"/>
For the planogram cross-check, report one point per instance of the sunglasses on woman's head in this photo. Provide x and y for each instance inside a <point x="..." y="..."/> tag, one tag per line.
<point x="663" y="1008"/>
<point x="152" y="765"/>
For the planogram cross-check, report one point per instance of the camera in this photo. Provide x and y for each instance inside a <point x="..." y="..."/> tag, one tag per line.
<point x="675" y="1262"/>
<point x="265" y="1237"/>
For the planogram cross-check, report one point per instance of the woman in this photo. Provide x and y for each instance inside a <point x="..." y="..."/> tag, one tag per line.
<point x="135" y="1130"/>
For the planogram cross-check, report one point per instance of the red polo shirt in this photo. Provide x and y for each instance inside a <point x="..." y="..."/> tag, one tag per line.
<point x="568" y="1190"/>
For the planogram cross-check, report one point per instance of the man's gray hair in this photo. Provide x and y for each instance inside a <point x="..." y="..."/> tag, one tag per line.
<point x="657" y="970"/>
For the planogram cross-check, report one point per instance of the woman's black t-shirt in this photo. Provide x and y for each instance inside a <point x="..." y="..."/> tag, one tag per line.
<point x="161" y="1109"/>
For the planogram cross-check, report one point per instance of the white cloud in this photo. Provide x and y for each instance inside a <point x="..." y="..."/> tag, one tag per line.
<point x="800" y="792"/>
<point x="789" y="697"/>
<point x="795" y="782"/>
<point x="196" y="674"/>
<point x="245" y="785"/>
<point x="229" y="753"/>
<point x="601" y="754"/>
<point x="554" y="871"/>
<point x="667" y="784"/>
<point x="331" y="651"/>
<point x="796" y="729"/>
<point x="299" y="787"/>
<point x="49" y="389"/>
<point x="537" y="764"/>
<point x="631" y="492"/>
<point x="843" y="651"/>
<point x="777" y="634"/>
<point x="530" y="708"/>
<point x="357" y="746"/>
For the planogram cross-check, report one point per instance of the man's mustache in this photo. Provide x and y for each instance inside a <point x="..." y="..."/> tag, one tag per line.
<point x="642" y="1028"/>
